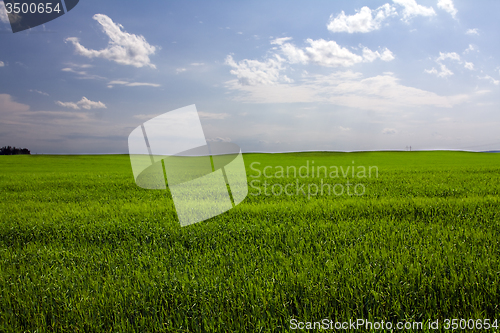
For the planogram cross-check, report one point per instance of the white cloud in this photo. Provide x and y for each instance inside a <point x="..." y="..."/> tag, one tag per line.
<point x="209" y="115"/>
<point x="80" y="65"/>
<point x="280" y="41"/>
<point x="6" y="103"/>
<point x="389" y="131"/>
<point x="431" y="71"/>
<point x="470" y="49"/>
<point x="131" y="84"/>
<point x="39" y="92"/>
<point x="69" y="105"/>
<point x="146" y="116"/>
<point x="4" y="18"/>
<point x="450" y="55"/>
<point x="197" y="64"/>
<point x="83" y="103"/>
<point x="123" y="48"/>
<point x="254" y="72"/>
<point x="294" y="54"/>
<point x="489" y="78"/>
<point x="219" y="139"/>
<point x="344" y="129"/>
<point x="71" y="70"/>
<point x="474" y="31"/>
<point x="469" y="65"/>
<point x="444" y="71"/>
<point x="386" y="55"/>
<point x="330" y="54"/>
<point x="412" y="9"/>
<point x="365" y="20"/>
<point x="370" y="56"/>
<point x="380" y="93"/>
<point x="2" y="64"/>
<point x="180" y="70"/>
<point x="83" y="74"/>
<point x="447" y="5"/>
<point x="64" y="131"/>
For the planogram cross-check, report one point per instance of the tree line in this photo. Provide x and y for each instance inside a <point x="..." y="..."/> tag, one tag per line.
<point x="8" y="150"/>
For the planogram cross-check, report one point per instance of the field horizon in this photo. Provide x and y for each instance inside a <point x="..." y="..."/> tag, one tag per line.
<point x="304" y="151"/>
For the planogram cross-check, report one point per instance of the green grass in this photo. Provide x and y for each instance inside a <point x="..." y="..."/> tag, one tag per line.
<point x="83" y="249"/>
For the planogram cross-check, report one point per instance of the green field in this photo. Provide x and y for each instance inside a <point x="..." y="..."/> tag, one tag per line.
<point x="83" y="249"/>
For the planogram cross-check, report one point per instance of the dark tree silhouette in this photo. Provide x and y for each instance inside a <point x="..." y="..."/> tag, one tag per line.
<point x="8" y="150"/>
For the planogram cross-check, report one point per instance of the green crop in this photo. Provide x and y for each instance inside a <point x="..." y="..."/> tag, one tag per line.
<point x="84" y="249"/>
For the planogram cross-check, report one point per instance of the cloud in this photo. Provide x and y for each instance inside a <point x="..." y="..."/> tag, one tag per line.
<point x="131" y="84"/>
<point x="431" y="71"/>
<point x="443" y="73"/>
<point x="83" y="74"/>
<point x="65" y="131"/>
<point x="474" y="31"/>
<point x="2" y="64"/>
<point x="69" y="105"/>
<point x="197" y="64"/>
<point x="447" y="5"/>
<point x="280" y="41"/>
<point x="365" y="20"/>
<point x="6" y="103"/>
<point x="71" y="70"/>
<point x="88" y="104"/>
<point x="489" y="78"/>
<point x="470" y="49"/>
<point x="254" y="72"/>
<point x="370" y="56"/>
<point x="146" y="116"/>
<point x="219" y="139"/>
<point x="330" y="54"/>
<point x="294" y="54"/>
<point x="412" y="9"/>
<point x="123" y="48"/>
<point x="450" y="55"/>
<point x="208" y="115"/>
<point x="344" y="129"/>
<point x="81" y="65"/>
<point x="469" y="65"/>
<point x="4" y="18"/>
<point x="380" y="93"/>
<point x="83" y="103"/>
<point x="389" y="131"/>
<point x="39" y="92"/>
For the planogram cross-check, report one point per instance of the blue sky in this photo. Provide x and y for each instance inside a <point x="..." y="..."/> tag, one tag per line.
<point x="269" y="76"/>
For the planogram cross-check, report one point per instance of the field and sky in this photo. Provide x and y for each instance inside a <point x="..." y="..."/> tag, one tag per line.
<point x="272" y="76"/>
<point x="336" y="91"/>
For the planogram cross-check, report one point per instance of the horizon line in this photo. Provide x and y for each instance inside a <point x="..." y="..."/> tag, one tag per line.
<point x="298" y="151"/>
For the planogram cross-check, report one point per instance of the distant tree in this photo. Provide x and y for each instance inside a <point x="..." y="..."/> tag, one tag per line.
<point x="8" y="150"/>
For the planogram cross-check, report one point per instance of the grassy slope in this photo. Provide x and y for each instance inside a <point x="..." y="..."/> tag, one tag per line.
<point x="82" y="248"/>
